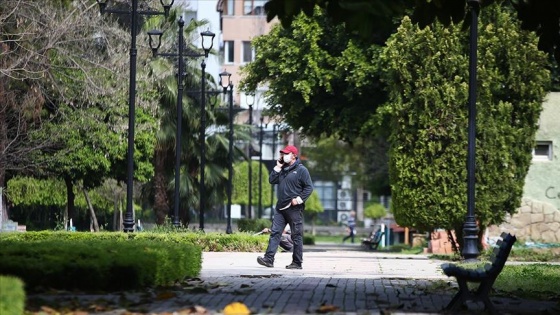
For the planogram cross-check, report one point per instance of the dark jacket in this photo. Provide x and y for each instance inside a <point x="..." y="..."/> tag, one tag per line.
<point x="293" y="181"/>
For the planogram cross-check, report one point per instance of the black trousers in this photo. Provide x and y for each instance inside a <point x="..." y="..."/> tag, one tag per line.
<point x="352" y="232"/>
<point x="294" y="217"/>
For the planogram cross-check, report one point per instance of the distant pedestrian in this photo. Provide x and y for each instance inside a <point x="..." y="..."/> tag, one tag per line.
<point x="351" y="223"/>
<point x="294" y="187"/>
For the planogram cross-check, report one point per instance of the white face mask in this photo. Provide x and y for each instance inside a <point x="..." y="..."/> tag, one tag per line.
<point x="287" y="158"/>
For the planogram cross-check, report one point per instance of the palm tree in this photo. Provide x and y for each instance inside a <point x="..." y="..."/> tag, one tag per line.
<point x="160" y="189"/>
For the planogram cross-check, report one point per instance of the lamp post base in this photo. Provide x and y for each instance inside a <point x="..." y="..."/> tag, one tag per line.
<point x="470" y="240"/>
<point x="128" y="226"/>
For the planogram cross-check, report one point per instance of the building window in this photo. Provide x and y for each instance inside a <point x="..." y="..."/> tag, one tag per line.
<point x="327" y="194"/>
<point x="228" y="51"/>
<point x="542" y="151"/>
<point x="230" y="7"/>
<point x="253" y="7"/>
<point x="248" y="52"/>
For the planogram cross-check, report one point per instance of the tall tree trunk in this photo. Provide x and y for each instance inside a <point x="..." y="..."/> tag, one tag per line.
<point x="3" y="139"/>
<point x="161" y="205"/>
<point x="3" y="142"/>
<point x="313" y="224"/>
<point x="91" y="211"/>
<point x="70" y="198"/>
<point x="121" y="219"/>
<point x="116" y="221"/>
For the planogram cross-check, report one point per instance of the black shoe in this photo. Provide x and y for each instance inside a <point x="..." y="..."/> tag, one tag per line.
<point x="293" y="266"/>
<point x="265" y="262"/>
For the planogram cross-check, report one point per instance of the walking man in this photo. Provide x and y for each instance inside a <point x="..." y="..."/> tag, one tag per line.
<point x="351" y="227"/>
<point x="294" y="187"/>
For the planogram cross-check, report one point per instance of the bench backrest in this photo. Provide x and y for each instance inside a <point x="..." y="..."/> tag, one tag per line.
<point x="377" y="237"/>
<point x="501" y="254"/>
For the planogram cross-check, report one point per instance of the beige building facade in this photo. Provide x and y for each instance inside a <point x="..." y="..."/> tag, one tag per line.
<point x="241" y="21"/>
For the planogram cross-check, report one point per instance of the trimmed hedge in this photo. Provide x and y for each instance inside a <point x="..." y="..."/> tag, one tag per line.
<point x="211" y="242"/>
<point x="253" y="225"/>
<point x="100" y="261"/>
<point x="12" y="296"/>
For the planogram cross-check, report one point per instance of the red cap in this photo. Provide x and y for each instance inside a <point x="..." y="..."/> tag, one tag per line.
<point x="289" y="149"/>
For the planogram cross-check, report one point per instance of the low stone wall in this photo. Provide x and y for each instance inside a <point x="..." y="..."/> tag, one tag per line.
<point x="534" y="221"/>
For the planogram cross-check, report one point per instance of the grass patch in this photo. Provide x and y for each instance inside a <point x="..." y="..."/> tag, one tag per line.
<point x="330" y="239"/>
<point x="541" y="281"/>
<point x="533" y="281"/>
<point x="518" y="253"/>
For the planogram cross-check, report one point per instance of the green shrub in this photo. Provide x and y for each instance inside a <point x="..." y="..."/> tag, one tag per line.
<point x="309" y="240"/>
<point x="97" y="262"/>
<point x="253" y="225"/>
<point x="12" y="296"/>
<point x="208" y="242"/>
<point x="374" y="210"/>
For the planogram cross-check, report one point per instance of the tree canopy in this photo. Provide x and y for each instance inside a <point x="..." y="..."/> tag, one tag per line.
<point x="426" y="71"/>
<point x="372" y="17"/>
<point x="319" y="80"/>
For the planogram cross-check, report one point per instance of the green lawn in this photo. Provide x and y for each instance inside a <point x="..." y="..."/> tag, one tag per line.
<point x="336" y="239"/>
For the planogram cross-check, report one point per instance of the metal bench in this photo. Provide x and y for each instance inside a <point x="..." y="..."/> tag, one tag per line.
<point x="484" y="276"/>
<point x="372" y="242"/>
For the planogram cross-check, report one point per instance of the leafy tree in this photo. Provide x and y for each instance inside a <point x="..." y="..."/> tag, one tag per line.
<point x="426" y="72"/>
<point x="374" y="210"/>
<point x="335" y="96"/>
<point x="73" y="87"/>
<point x="27" y="194"/>
<point x="161" y="188"/>
<point x="314" y="71"/>
<point x="313" y="207"/>
<point x="368" y="16"/>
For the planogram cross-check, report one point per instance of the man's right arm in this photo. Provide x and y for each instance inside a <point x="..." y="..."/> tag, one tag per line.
<point x="274" y="176"/>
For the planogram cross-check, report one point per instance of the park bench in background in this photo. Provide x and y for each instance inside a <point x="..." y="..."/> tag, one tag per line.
<point x="372" y="242"/>
<point x="484" y="276"/>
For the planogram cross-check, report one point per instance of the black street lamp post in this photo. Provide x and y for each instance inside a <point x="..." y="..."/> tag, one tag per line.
<point x="273" y="152"/>
<point x="128" y="222"/>
<point x="202" y="188"/>
<point x="249" y="207"/>
<point x="155" y="43"/>
<point x="228" y="87"/>
<point x="260" y="165"/>
<point x="470" y="228"/>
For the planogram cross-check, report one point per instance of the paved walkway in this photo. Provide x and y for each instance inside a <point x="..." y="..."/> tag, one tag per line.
<point x="335" y="280"/>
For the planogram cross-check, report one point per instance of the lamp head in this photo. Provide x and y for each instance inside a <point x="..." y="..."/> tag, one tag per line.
<point x="102" y="5"/>
<point x="223" y="76"/>
<point x="210" y="36"/>
<point x="250" y="99"/>
<point x="166" y="7"/>
<point x="155" y="40"/>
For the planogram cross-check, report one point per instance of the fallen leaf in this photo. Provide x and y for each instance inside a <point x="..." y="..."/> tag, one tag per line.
<point x="236" y="308"/>
<point x="327" y="308"/>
